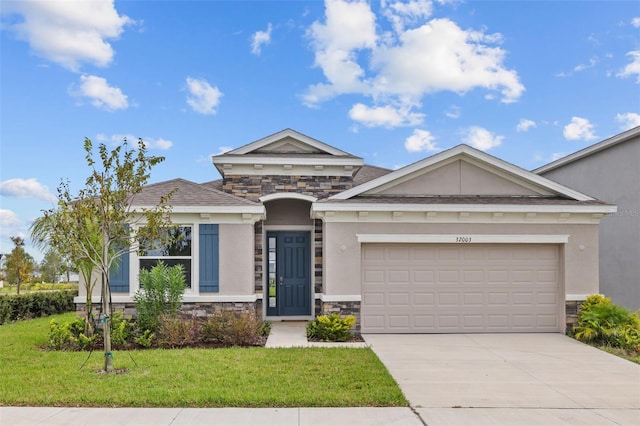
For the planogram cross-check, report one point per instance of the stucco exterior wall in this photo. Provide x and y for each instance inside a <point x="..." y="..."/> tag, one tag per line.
<point x="457" y="178"/>
<point x="288" y="212"/>
<point x="613" y="176"/>
<point x="342" y="252"/>
<point x="236" y="259"/>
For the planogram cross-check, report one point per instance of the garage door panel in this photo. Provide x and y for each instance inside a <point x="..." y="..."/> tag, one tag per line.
<point x="429" y="288"/>
<point x="424" y="299"/>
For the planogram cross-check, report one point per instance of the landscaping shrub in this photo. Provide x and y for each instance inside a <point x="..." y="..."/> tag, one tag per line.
<point x="331" y="328"/>
<point x="160" y="294"/>
<point x="177" y="332"/>
<point x="602" y="322"/>
<point x="228" y="328"/>
<point x="69" y="336"/>
<point x="35" y="305"/>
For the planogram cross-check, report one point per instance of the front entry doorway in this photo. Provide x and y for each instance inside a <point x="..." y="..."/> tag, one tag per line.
<point x="288" y="273"/>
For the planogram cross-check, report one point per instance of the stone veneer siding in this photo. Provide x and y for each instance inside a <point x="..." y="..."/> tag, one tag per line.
<point x="254" y="187"/>
<point x="189" y="309"/>
<point x="258" y="257"/>
<point x="343" y="309"/>
<point x="317" y="256"/>
<point x="572" y="312"/>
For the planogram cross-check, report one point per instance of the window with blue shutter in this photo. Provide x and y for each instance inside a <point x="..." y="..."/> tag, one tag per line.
<point x="119" y="275"/>
<point x="209" y="262"/>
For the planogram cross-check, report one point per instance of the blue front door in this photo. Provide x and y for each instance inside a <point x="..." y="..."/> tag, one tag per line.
<point x="288" y="273"/>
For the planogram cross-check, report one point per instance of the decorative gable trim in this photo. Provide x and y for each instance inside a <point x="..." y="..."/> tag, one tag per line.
<point x="288" y="133"/>
<point x="476" y="157"/>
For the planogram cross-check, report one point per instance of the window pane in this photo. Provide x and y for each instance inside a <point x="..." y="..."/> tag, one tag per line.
<point x="148" y="264"/>
<point x="179" y="244"/>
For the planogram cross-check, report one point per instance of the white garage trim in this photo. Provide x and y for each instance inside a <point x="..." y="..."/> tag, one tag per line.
<point x="461" y="288"/>
<point x="462" y="239"/>
<point x="338" y="297"/>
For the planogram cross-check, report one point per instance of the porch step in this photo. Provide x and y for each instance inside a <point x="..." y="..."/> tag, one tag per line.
<point x="288" y="334"/>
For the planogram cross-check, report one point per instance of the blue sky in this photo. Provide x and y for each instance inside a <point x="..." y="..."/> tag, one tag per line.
<point x="392" y="82"/>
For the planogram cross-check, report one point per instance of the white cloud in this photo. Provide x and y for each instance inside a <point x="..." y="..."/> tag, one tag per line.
<point x="454" y="111"/>
<point x="481" y="138"/>
<point x="223" y="149"/>
<point x="69" y="33"/>
<point x="441" y="56"/>
<point x="260" y="38"/>
<point x="421" y="140"/>
<point x="401" y="13"/>
<point x="149" y="142"/>
<point x="100" y="93"/>
<point x="628" y="120"/>
<point x="401" y="66"/>
<point x="349" y="26"/>
<point x="26" y="188"/>
<point x="525" y="124"/>
<point x="386" y="116"/>
<point x="636" y="22"/>
<point x="203" y="98"/>
<point x="8" y="219"/>
<point x="634" y="67"/>
<point x="592" y="63"/>
<point x="579" y="129"/>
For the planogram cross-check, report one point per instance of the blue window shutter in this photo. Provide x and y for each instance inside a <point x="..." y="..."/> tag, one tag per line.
<point x="119" y="275"/>
<point x="209" y="258"/>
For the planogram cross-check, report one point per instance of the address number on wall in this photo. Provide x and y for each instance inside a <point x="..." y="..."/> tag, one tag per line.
<point x="463" y="239"/>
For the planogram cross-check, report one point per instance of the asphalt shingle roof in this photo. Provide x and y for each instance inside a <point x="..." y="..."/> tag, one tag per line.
<point x="188" y="194"/>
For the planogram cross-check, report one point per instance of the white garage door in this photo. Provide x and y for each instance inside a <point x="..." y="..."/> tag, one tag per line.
<point x="459" y="288"/>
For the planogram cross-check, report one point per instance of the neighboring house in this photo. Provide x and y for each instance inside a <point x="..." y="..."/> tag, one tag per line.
<point x="458" y="242"/>
<point x="610" y="171"/>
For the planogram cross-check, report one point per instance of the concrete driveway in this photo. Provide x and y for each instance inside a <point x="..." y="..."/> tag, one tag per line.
<point x="510" y="379"/>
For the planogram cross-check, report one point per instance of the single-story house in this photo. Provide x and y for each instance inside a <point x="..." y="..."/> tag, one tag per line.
<point x="458" y="242"/>
<point x="610" y="171"/>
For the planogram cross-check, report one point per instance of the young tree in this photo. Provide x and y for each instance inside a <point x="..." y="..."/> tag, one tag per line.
<point x="51" y="266"/>
<point x="19" y="264"/>
<point x="96" y="227"/>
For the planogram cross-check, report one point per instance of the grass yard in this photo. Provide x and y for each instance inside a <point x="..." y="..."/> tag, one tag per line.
<point x="234" y="377"/>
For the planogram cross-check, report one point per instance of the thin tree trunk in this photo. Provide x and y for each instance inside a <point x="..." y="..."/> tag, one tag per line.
<point x="106" y="325"/>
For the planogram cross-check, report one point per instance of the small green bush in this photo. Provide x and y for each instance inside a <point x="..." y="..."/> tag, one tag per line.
<point x="602" y="322"/>
<point x="145" y="339"/>
<point x="160" y="294"/>
<point x="331" y="328"/>
<point x="69" y="336"/>
<point x="35" y="305"/>
<point x="121" y="329"/>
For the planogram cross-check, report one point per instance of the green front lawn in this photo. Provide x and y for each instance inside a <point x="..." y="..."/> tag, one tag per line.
<point x="234" y="377"/>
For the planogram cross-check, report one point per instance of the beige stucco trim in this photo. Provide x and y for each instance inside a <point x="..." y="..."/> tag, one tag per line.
<point x="289" y="167"/>
<point x="338" y="297"/>
<point x="466" y="238"/>
<point x="577" y="297"/>
<point x="504" y="208"/>
<point x="288" y="195"/>
<point x="469" y="215"/>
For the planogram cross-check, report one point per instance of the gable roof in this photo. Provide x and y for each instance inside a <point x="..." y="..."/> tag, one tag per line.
<point x="319" y="147"/>
<point x="509" y="170"/>
<point x="590" y="150"/>
<point x="287" y="152"/>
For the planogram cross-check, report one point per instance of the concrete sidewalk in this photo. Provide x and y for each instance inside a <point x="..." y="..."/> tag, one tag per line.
<point x="288" y="334"/>
<point x="59" y="416"/>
